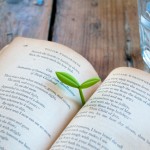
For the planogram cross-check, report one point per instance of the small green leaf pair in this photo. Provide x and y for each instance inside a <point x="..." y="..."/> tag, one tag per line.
<point x="71" y="81"/>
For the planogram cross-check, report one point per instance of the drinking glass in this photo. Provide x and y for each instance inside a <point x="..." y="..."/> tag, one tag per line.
<point x="144" y="29"/>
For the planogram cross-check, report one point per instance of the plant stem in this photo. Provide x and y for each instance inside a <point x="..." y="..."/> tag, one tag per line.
<point x="82" y="96"/>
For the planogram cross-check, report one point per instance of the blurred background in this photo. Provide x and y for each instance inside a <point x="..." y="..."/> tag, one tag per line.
<point x="106" y="32"/>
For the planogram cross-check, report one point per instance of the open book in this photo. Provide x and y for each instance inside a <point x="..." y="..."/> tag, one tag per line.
<point x="38" y="112"/>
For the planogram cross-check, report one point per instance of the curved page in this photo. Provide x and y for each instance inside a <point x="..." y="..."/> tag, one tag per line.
<point x="35" y="106"/>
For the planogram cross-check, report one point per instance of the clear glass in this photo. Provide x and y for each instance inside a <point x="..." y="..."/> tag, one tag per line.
<point x="144" y="29"/>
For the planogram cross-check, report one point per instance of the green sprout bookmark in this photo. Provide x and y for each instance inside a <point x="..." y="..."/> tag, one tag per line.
<point x="71" y="81"/>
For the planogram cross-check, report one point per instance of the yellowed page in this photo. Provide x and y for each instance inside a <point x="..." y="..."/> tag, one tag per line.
<point x="3" y="49"/>
<point x="35" y="106"/>
<point x="117" y="116"/>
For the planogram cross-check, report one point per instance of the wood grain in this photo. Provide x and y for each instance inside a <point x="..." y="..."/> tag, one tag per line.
<point x="24" y="19"/>
<point x="103" y="31"/>
<point x="132" y="34"/>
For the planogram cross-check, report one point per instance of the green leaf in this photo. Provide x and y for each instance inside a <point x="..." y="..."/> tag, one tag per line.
<point x="89" y="83"/>
<point x="67" y="79"/>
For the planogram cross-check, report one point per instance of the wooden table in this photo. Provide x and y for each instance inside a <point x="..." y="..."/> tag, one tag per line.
<point x="103" y="31"/>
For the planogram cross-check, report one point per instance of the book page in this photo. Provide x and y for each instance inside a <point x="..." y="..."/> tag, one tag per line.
<point x="117" y="116"/>
<point x="35" y="106"/>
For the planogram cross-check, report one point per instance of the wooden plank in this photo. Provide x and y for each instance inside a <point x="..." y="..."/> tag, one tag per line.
<point x="132" y="35"/>
<point x="98" y="29"/>
<point x="24" y="19"/>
